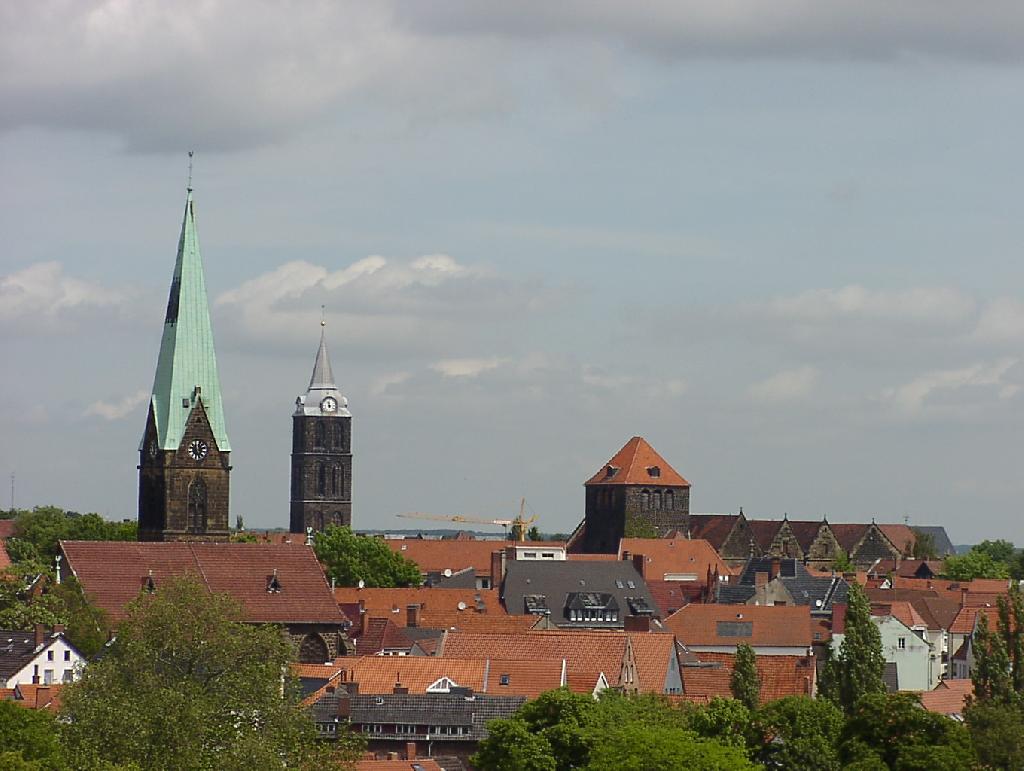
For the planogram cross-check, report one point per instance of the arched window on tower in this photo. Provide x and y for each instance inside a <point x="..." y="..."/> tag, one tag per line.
<point x="321" y="480"/>
<point x="645" y="500"/>
<point x="320" y="439"/>
<point x="656" y="500"/>
<point x="197" y="505"/>
<point x="339" y="439"/>
<point x="670" y="500"/>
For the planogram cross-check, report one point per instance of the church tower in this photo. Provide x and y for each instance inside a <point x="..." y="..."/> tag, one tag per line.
<point x="184" y="454"/>
<point x="321" y="451"/>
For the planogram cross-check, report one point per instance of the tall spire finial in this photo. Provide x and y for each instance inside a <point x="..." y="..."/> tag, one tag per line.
<point x="323" y="317"/>
<point x="190" y="170"/>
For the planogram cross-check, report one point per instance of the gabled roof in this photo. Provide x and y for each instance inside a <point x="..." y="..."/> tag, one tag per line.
<point x="670" y="596"/>
<point x="382" y="634"/>
<point x="949" y="697"/>
<point x="805" y="531"/>
<point x="764" y="531"/>
<point x="848" y="533"/>
<point x="637" y="463"/>
<point x="417" y="764"/>
<point x="187" y="357"/>
<point x="113" y="573"/>
<point x="434" y="603"/>
<point x="714" y="528"/>
<point x="17" y="649"/>
<point x="771" y="625"/>
<point x="901" y="610"/>
<point x="900" y="536"/>
<point x="675" y="555"/>
<point x="780" y="676"/>
<point x="964" y="622"/>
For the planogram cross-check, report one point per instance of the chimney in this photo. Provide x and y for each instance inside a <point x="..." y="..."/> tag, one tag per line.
<point x="58" y="629"/>
<point x="362" y="617"/>
<point x="498" y="562"/>
<point x="399" y="688"/>
<point x="40" y="634"/>
<point x="410" y="750"/>
<point x="838" y="618"/>
<point x="412" y="616"/>
<point x="42" y="697"/>
<point x="35" y="674"/>
<point x="640" y="564"/>
<point x="344" y="705"/>
<point x="774" y="569"/>
<point x="637" y="623"/>
<point x="626" y="555"/>
<point x="760" y="579"/>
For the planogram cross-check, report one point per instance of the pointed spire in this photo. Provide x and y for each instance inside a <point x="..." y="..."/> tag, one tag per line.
<point x="186" y="369"/>
<point x="323" y="377"/>
<point x="322" y="385"/>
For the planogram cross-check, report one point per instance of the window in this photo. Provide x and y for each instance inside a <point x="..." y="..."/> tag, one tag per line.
<point x="670" y="500"/>
<point x="645" y="500"/>
<point x="48" y="677"/>
<point x="654" y="471"/>
<point x="197" y="505"/>
<point x="67" y="655"/>
<point x="336" y="480"/>
<point x="548" y="555"/>
<point x="69" y="675"/>
<point x="49" y="655"/>
<point x="321" y="479"/>
<point x="503" y="680"/>
<point x="656" y="501"/>
<point x="901" y="643"/>
<point x="530" y="555"/>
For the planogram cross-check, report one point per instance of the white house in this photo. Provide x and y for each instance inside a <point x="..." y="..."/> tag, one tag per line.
<point x="917" y="664"/>
<point x="38" y="657"/>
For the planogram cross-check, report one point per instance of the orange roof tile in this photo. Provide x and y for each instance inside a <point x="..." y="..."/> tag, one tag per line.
<point x="780" y="676"/>
<point x="7" y="528"/>
<point x="900" y="536"/>
<point x="37" y="696"/>
<point x="772" y="625"/>
<point x="5" y="560"/>
<point x="652" y="653"/>
<point x="432" y="555"/>
<point x="423" y="764"/>
<point x="112" y="574"/>
<point x="949" y="697"/>
<point x="899" y="609"/>
<point x="714" y="528"/>
<point x="964" y="621"/>
<point x="634" y="464"/>
<point x="674" y="555"/>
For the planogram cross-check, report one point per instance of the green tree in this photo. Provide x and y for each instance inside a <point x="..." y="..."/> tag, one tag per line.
<point x="86" y="626"/>
<point x="534" y="534"/>
<point x="892" y="729"/>
<point x="798" y="732"/>
<point x="635" y="746"/>
<point x="974" y="564"/>
<point x="842" y="563"/>
<point x="349" y="558"/>
<point x="28" y="736"/>
<point x="45" y="526"/>
<point x="727" y="721"/>
<point x="188" y="686"/>
<point x="999" y="550"/>
<point x="857" y="670"/>
<point x="638" y="527"/>
<point x="511" y="746"/>
<point x="924" y="546"/>
<point x="745" y="683"/>
<point x="991" y="677"/>
<point x="996" y="730"/>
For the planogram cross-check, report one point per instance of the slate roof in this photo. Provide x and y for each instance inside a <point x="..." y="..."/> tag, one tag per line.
<point x="675" y="555"/>
<point x="422" y="710"/>
<point x="635" y="464"/>
<point x="779" y="626"/>
<point x="17" y="648"/>
<point x="558" y="582"/>
<point x="806" y="588"/>
<point x="943" y="546"/>
<point x="113" y="573"/>
<point x="780" y="676"/>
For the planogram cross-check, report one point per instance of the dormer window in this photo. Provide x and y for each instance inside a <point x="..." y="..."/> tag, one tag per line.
<point x="654" y="471"/>
<point x="148" y="583"/>
<point x="610" y="471"/>
<point x="273" y="584"/>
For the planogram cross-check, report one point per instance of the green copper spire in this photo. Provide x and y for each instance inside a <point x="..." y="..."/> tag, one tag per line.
<point x="187" y="367"/>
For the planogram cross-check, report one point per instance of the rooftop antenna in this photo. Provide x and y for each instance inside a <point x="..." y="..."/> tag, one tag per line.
<point x="190" y="152"/>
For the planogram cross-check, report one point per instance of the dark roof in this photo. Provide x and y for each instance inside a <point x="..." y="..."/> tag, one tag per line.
<point x="382" y="634"/>
<point x="561" y="583"/>
<point x="805" y="531"/>
<point x="113" y="573"/>
<point x="713" y="528"/>
<point x="16" y="650"/>
<point x="943" y="546"/>
<point x="805" y="588"/>
<point x="890" y="676"/>
<point x="764" y="531"/>
<point x="848" y="533"/>
<point x="441" y="709"/>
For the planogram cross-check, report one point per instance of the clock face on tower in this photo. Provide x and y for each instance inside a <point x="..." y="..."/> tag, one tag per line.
<point x="329" y="404"/>
<point x="197" y="449"/>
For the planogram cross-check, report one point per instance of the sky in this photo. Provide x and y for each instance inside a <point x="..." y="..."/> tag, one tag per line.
<point x="780" y="241"/>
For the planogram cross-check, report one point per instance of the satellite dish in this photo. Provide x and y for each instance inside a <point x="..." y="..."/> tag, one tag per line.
<point x="447" y="572"/>
<point x="362" y="584"/>
<point x="462" y="605"/>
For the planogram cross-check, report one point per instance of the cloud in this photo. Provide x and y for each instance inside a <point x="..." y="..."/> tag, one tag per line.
<point x="232" y="74"/>
<point x="467" y="367"/>
<point x="42" y="293"/>
<point x="991" y="380"/>
<point x="786" y="385"/>
<point x="920" y="305"/>
<point x="419" y="307"/>
<point x="1001" y="321"/>
<point x="119" y="409"/>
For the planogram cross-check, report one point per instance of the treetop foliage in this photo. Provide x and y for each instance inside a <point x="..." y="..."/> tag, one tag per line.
<point x="349" y="558"/>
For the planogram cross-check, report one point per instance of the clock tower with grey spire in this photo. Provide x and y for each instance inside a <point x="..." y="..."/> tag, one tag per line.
<point x="321" y="451"/>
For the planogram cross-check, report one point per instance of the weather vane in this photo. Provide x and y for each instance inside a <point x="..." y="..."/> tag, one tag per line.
<point x="323" y="319"/>
<point x="190" y="170"/>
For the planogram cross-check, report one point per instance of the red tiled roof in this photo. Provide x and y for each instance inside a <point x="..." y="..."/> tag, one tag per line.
<point x="714" y="528"/>
<point x="674" y="555"/>
<point x="433" y="602"/>
<point x="805" y="531"/>
<point x="5" y="560"/>
<point x="633" y="464"/>
<point x="780" y="676"/>
<point x="422" y="764"/>
<point x="382" y="634"/>
<point x="7" y="528"/>
<point x="899" y="609"/>
<point x="34" y="696"/>
<point x="964" y="622"/>
<point x="772" y="625"/>
<point x="652" y="653"/>
<point x="764" y="531"/>
<point x="848" y="534"/>
<point x="949" y="697"/>
<point x="592" y="557"/>
<point x="670" y="596"/>
<point x="438" y="555"/>
<point x="112" y="574"/>
<point x="900" y="536"/>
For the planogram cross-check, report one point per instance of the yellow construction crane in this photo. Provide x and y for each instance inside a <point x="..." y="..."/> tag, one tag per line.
<point x="519" y="525"/>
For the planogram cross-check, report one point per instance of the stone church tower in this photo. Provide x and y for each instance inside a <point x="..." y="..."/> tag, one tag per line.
<point x="184" y="462"/>
<point x="635" y="493"/>
<point x="321" y="451"/>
